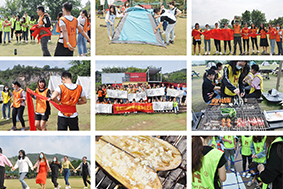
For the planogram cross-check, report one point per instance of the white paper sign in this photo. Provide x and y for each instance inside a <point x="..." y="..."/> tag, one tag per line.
<point x="117" y="94"/>
<point x="175" y="93"/>
<point x="155" y="92"/>
<point x="162" y="105"/>
<point x="103" y="108"/>
<point x="136" y="96"/>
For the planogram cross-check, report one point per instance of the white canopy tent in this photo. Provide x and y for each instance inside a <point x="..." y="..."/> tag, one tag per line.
<point x="54" y="82"/>
<point x="274" y="63"/>
<point x="265" y="63"/>
<point x="85" y="82"/>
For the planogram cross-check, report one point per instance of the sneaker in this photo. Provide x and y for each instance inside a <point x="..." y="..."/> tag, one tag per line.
<point x="163" y="32"/>
<point x="220" y="53"/>
<point x="9" y="42"/>
<point x="194" y="54"/>
<point x="249" y="183"/>
<point x="216" y="52"/>
<point x="205" y="53"/>
<point x="248" y="175"/>
<point x="49" y="40"/>
<point x="59" y="186"/>
<point x="17" y="41"/>
<point x="110" y="38"/>
<point x="7" y="118"/>
<point x="253" y="51"/>
<point x="3" y="118"/>
<point x="257" y="51"/>
<point x="23" y="129"/>
<point x="20" y="41"/>
<point x="27" y="187"/>
<point x="244" y="174"/>
<point x="26" y="41"/>
<point x="244" y="52"/>
<point x="85" y="187"/>
<point x="199" y="54"/>
<point x="208" y="53"/>
<point x="171" y="41"/>
<point x="4" y="42"/>
<point x="167" y="44"/>
<point x="13" y="128"/>
<point x="230" y="52"/>
<point x="224" y="52"/>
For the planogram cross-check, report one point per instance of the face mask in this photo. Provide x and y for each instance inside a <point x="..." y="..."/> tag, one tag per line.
<point x="6" y="19"/>
<point x="14" y="88"/>
<point x="127" y="4"/>
<point x="41" y="156"/>
<point x="6" y="89"/>
<point x="278" y="28"/>
<point x="54" y="159"/>
<point x="238" y="67"/>
<point x="21" y="155"/>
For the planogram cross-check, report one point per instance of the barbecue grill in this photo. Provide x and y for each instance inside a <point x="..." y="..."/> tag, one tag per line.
<point x="172" y="179"/>
<point x="212" y="117"/>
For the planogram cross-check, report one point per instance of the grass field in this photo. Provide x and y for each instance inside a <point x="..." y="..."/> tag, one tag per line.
<point x="104" y="48"/>
<point x="83" y="111"/>
<point x="30" y="49"/>
<point x="197" y="101"/>
<point x="75" y="183"/>
<point x="213" y="49"/>
<point x="142" y="122"/>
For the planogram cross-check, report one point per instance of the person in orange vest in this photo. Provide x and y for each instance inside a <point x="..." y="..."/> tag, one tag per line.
<point x="263" y="40"/>
<point x="217" y="42"/>
<point x="254" y="38"/>
<point x="42" y="110"/>
<point x="227" y="41"/>
<point x="18" y="105"/>
<point x="245" y="34"/>
<point x="271" y="31"/>
<point x="100" y="93"/>
<point x="44" y="24"/>
<point x="237" y="34"/>
<point x="70" y="94"/>
<point x="278" y="38"/>
<point x="68" y="40"/>
<point x="207" y="41"/>
<point x="83" y="20"/>
<point x="197" y="39"/>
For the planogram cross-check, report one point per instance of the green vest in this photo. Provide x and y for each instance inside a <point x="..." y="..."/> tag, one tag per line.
<point x="175" y="104"/>
<point x="246" y="145"/>
<point x="1" y="25"/>
<point x="204" y="178"/>
<point x="31" y="23"/>
<point x="259" y="148"/>
<point x="213" y="142"/>
<point x="7" y="28"/>
<point x="24" y="26"/>
<point x="17" y="25"/>
<point x="13" y="20"/>
<point x="227" y="144"/>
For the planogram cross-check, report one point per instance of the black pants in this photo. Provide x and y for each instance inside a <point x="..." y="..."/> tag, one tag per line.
<point x="1" y="36"/>
<point x="217" y="45"/>
<point x="18" y="111"/>
<point x="245" y="161"/>
<point x="62" y="51"/>
<point x="255" y="94"/>
<point x="237" y="40"/>
<point x="12" y="33"/>
<point x="54" y="181"/>
<point x="246" y="43"/>
<point x="89" y="33"/>
<point x="279" y="46"/>
<point x="85" y="180"/>
<point x="225" y="45"/>
<point x="2" y="174"/>
<point x="254" y="43"/>
<point x="63" y="123"/>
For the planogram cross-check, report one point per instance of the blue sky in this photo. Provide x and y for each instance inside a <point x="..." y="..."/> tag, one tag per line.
<point x="167" y="66"/>
<point x="5" y="64"/>
<point x="74" y="146"/>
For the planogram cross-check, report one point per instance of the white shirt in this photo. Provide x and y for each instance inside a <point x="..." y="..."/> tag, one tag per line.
<point x="23" y="164"/>
<point x="71" y="87"/>
<point x="81" y="20"/>
<point x="62" y="23"/>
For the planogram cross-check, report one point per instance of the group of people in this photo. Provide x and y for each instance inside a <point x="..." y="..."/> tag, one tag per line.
<point x="42" y="167"/>
<point x="211" y="154"/>
<point x="241" y="34"/>
<point x="164" y="17"/>
<point x="16" y="100"/>
<point x="238" y="77"/>
<point x="135" y="88"/>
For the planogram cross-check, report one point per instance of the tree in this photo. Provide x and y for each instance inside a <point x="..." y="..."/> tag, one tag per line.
<point x="246" y="17"/>
<point x="258" y="17"/>
<point x="276" y="21"/>
<point x="79" y="68"/>
<point x="222" y="22"/>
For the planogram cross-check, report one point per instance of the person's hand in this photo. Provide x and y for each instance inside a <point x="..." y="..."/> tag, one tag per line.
<point x="230" y="142"/>
<point x="18" y="100"/>
<point x="154" y="30"/>
<point x="260" y="168"/>
<point x="75" y="171"/>
<point x="13" y="169"/>
<point x="70" y="47"/>
<point x="242" y="94"/>
<point x="61" y="172"/>
<point x="237" y="91"/>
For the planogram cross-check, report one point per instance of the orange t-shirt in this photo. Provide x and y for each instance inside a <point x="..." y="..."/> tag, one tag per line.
<point x="245" y="31"/>
<point x="262" y="33"/>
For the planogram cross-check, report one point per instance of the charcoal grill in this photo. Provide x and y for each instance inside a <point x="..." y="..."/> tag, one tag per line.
<point x="249" y="109"/>
<point x="172" y="179"/>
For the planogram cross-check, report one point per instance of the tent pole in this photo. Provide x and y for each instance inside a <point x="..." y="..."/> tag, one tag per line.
<point x="278" y="76"/>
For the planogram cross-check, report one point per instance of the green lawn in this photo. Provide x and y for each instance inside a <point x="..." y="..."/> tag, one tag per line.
<point x="142" y="122"/>
<point x="213" y="49"/>
<point x="197" y="101"/>
<point x="104" y="48"/>
<point x="30" y="49"/>
<point x="83" y="111"/>
<point x="75" y="183"/>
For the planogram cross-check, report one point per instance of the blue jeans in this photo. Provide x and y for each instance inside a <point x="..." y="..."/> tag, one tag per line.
<point x="178" y="100"/>
<point x="21" y="179"/>
<point x="66" y="176"/>
<point x="205" y="45"/>
<point x="176" y="108"/>
<point x="4" y="106"/>
<point x="82" y="44"/>
<point x="165" y="24"/>
<point x="272" y="44"/>
<point x="6" y="33"/>
<point x="108" y="28"/>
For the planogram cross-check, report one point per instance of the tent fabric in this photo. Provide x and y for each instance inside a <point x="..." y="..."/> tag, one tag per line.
<point x="137" y="27"/>
<point x="265" y="63"/>
<point x="85" y="82"/>
<point x="54" y="30"/>
<point x="54" y="82"/>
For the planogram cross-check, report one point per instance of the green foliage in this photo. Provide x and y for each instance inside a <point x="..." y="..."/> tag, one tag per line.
<point x="246" y="17"/>
<point x="79" y="68"/>
<point x="222" y="22"/>
<point x="179" y="76"/>
<point x="32" y="86"/>
<point x="276" y="21"/>
<point x="257" y="17"/>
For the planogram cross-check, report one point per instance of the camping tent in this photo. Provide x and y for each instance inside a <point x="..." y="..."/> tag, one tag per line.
<point x="85" y="82"/>
<point x="54" y="82"/>
<point x="210" y="64"/>
<point x="274" y="63"/>
<point x="137" y="27"/>
<point x="265" y="63"/>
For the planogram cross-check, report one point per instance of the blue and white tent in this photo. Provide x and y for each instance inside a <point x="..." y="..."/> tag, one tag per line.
<point x="137" y="27"/>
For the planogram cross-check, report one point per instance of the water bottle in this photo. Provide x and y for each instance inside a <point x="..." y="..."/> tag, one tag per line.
<point x="15" y="52"/>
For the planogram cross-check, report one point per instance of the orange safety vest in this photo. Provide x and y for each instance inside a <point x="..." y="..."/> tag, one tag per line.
<point x="40" y="103"/>
<point x="206" y="38"/>
<point x="262" y="33"/>
<point x="100" y="93"/>
<point x="58" y="30"/>
<point x="253" y="31"/>
<point x="70" y="97"/>
<point x="85" y="26"/>
<point x="198" y="35"/>
<point x="88" y="24"/>
<point x="71" y="27"/>
<point x="17" y="95"/>
<point x="40" y="20"/>
<point x="245" y="31"/>
<point x="277" y="36"/>
<point x="237" y="29"/>
<point x="271" y="35"/>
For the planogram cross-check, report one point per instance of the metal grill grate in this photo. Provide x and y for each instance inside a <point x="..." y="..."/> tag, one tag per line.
<point x="172" y="179"/>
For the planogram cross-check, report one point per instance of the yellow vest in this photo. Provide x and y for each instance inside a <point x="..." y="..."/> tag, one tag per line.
<point x="234" y="79"/>
<point x="261" y="84"/>
<point x="6" y="96"/>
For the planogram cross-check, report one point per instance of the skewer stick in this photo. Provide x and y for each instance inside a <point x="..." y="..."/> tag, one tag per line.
<point x="97" y="169"/>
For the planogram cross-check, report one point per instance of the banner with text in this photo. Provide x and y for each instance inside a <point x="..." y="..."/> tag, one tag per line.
<point x="137" y="96"/>
<point x="155" y="92"/>
<point x="162" y="105"/>
<point x="117" y="94"/>
<point x="175" y="93"/>
<point x="103" y="108"/>
<point x="132" y="107"/>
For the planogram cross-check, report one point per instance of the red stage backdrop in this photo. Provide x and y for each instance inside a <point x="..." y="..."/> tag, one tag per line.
<point x="132" y="107"/>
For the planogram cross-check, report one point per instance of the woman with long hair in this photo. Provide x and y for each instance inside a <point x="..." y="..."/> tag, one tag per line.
<point x="85" y="168"/>
<point x="278" y="38"/>
<point x="66" y="171"/>
<point x="18" y="28"/>
<point x="25" y="29"/>
<point x="19" y="98"/>
<point x="263" y="39"/>
<point x="110" y="20"/>
<point x="254" y="37"/>
<point x="83" y="20"/>
<point x="23" y="163"/>
<point x="4" y="161"/>
<point x="271" y="31"/>
<point x="208" y="164"/>
<point x="6" y="97"/>
<point x="246" y="39"/>
<point x="42" y="167"/>
<point x="31" y="24"/>
<point x="55" y="167"/>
